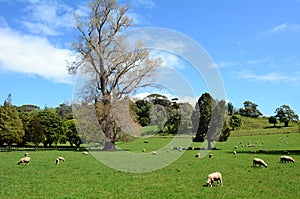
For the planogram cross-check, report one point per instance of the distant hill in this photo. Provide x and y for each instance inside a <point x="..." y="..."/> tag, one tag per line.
<point x="261" y="126"/>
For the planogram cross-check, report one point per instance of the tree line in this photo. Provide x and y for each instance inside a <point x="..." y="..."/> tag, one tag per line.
<point x="29" y="124"/>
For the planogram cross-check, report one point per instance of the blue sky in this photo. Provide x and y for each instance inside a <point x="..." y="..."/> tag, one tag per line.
<point x="254" y="44"/>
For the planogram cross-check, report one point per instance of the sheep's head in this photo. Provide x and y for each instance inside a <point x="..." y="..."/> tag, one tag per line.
<point x="209" y="182"/>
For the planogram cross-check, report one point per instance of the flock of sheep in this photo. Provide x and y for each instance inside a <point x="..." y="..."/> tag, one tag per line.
<point x="217" y="176"/>
<point x="26" y="159"/>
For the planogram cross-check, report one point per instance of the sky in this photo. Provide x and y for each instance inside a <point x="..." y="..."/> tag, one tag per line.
<point x="254" y="45"/>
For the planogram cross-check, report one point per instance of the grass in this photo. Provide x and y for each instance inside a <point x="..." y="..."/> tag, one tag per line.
<point x="85" y="177"/>
<point x="261" y="126"/>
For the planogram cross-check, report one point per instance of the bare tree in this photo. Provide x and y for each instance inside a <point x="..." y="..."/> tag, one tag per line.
<point x="103" y="54"/>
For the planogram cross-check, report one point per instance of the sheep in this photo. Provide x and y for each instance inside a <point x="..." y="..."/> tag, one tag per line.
<point x="25" y="154"/>
<point x="144" y="150"/>
<point x="25" y="160"/>
<point x="59" y="159"/>
<point x="216" y="176"/>
<point x="154" y="153"/>
<point x="210" y="155"/>
<point x="287" y="159"/>
<point x="236" y="147"/>
<point x="85" y="153"/>
<point x="259" y="162"/>
<point x="197" y="155"/>
<point x="234" y="152"/>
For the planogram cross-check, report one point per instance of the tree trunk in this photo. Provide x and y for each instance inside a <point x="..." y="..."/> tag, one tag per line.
<point x="107" y="122"/>
<point x="286" y="123"/>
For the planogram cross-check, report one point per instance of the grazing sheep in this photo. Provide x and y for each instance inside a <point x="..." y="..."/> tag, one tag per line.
<point x="25" y="160"/>
<point x="144" y="150"/>
<point x="259" y="162"/>
<point x="85" y="153"/>
<point x="59" y="159"/>
<point x="236" y="147"/>
<point x="210" y="155"/>
<point x="197" y="155"/>
<point x="234" y="152"/>
<point x="286" y="159"/>
<point x="154" y="153"/>
<point x="168" y="151"/>
<point x="216" y="176"/>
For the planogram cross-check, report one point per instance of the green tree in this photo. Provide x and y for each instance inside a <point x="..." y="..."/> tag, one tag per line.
<point x="11" y="126"/>
<point x="230" y="108"/>
<point x="250" y="110"/>
<point x="235" y="121"/>
<point x="63" y="110"/>
<point x="70" y="131"/>
<point x="211" y="119"/>
<point x="272" y="120"/>
<point x="46" y="127"/>
<point x="142" y="109"/>
<point x="113" y="66"/>
<point x="285" y="114"/>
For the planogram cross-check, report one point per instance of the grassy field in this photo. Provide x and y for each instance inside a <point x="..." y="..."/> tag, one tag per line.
<point x="85" y="177"/>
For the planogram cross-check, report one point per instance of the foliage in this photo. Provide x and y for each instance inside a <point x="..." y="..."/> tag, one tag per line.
<point x="11" y="126"/>
<point x="45" y="126"/>
<point x="235" y="121"/>
<point x="285" y="114"/>
<point x="272" y="120"/>
<point x="211" y="120"/>
<point x="250" y="110"/>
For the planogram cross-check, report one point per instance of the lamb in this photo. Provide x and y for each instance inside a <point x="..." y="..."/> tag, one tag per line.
<point x="259" y="162"/>
<point x="85" y="153"/>
<point x="287" y="159"/>
<point x="59" y="159"/>
<point x="216" y="176"/>
<point x="234" y="152"/>
<point x="25" y="160"/>
<point x="154" y="153"/>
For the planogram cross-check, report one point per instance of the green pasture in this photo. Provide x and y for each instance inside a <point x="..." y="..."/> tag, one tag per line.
<point x="85" y="177"/>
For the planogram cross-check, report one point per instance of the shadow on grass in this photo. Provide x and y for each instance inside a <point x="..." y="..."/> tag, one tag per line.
<point x="272" y="152"/>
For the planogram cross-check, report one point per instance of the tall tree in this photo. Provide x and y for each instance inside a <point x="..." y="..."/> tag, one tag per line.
<point x="115" y="68"/>
<point x="11" y="126"/>
<point x="211" y="119"/>
<point x="250" y="110"/>
<point x="285" y="114"/>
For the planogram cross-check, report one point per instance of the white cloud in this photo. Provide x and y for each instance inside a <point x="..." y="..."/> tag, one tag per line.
<point x="285" y="27"/>
<point x="226" y="64"/>
<point x="268" y="77"/>
<point x="33" y="55"/>
<point x="50" y="18"/>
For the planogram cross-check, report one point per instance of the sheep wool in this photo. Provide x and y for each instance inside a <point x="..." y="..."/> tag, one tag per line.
<point x="25" y="160"/>
<point x="260" y="162"/>
<point x="285" y="159"/>
<point x="216" y="176"/>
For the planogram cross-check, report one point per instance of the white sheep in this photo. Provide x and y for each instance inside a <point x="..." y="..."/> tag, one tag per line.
<point x="197" y="155"/>
<point x="144" y="150"/>
<point x="59" y="159"/>
<point x="216" y="176"/>
<point x="154" y="153"/>
<point x="234" y="152"/>
<point x="259" y="162"/>
<point x="85" y="153"/>
<point x="25" y="160"/>
<point x="287" y="159"/>
<point x="210" y="155"/>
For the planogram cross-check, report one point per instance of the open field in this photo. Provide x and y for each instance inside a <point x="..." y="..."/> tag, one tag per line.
<point x="84" y="177"/>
